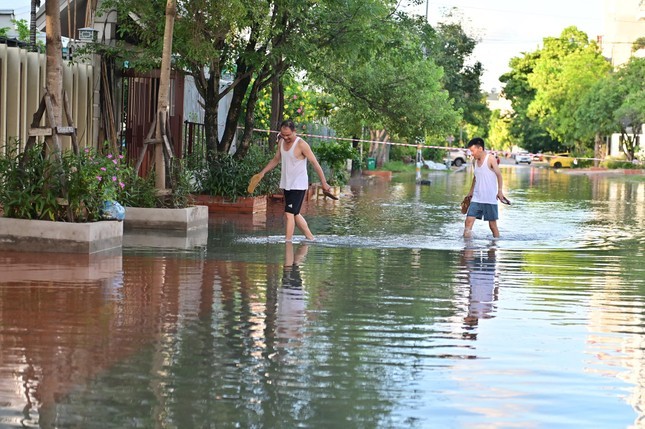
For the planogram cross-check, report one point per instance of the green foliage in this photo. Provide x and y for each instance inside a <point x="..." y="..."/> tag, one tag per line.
<point x="499" y="136"/>
<point x="335" y="155"/>
<point x="36" y="190"/>
<point x="618" y="163"/>
<point x="398" y="167"/>
<point x="616" y="103"/>
<point x="301" y="104"/>
<point x="92" y="178"/>
<point x="229" y="177"/>
<point x="451" y="48"/>
<point x="139" y="191"/>
<point x="22" y="27"/>
<point x="30" y="192"/>
<point x="566" y="70"/>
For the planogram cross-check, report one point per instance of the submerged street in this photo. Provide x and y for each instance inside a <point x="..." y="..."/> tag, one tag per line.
<point x="389" y="320"/>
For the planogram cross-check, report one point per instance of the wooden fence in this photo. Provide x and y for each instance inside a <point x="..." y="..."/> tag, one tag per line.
<point x="22" y="81"/>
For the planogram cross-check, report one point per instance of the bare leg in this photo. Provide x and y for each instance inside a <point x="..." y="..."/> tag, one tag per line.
<point x="290" y="225"/>
<point x="302" y="225"/>
<point x="468" y="226"/>
<point x="493" y="227"/>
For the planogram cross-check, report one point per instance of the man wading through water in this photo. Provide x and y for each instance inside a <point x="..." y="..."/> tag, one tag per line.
<point x="485" y="190"/>
<point x="293" y="152"/>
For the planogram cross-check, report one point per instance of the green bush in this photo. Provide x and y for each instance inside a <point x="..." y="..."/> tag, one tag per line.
<point x="30" y="192"/>
<point x="334" y="155"/>
<point x="228" y="177"/>
<point x="398" y="167"/>
<point x="618" y="163"/>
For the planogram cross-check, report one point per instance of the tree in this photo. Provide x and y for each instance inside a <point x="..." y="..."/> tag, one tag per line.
<point x="500" y="132"/>
<point x="389" y="86"/>
<point x="616" y="104"/>
<point x="451" y="49"/>
<point x="567" y="67"/>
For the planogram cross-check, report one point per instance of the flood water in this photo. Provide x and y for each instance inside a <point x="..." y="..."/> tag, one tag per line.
<point x="389" y="320"/>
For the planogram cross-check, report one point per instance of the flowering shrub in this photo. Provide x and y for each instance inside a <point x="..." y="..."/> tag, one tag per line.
<point x="93" y="178"/>
<point x="72" y="190"/>
<point x="76" y="188"/>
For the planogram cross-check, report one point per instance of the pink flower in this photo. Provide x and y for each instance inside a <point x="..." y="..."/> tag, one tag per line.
<point x="122" y="185"/>
<point x="299" y="110"/>
<point x="87" y="150"/>
<point x="109" y="155"/>
<point x="295" y="97"/>
<point x="115" y="161"/>
<point x="103" y="169"/>
<point x="120" y="156"/>
<point x="114" y="178"/>
<point x="99" y="178"/>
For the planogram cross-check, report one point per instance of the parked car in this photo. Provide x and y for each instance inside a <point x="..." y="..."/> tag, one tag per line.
<point x="561" y="160"/>
<point x="523" y="157"/>
<point x="456" y="157"/>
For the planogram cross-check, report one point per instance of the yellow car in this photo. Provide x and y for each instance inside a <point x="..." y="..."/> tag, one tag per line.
<point x="560" y="160"/>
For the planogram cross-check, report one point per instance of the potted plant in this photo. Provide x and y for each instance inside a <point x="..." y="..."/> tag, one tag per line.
<point x="222" y="183"/>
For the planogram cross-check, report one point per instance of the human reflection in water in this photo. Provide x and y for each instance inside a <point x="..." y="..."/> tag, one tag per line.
<point x="482" y="278"/>
<point x="291" y="296"/>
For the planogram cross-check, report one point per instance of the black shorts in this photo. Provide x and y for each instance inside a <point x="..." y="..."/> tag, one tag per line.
<point x="293" y="200"/>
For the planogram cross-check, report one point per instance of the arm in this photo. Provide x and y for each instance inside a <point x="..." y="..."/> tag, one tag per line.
<point x="492" y="163"/>
<point x="309" y="154"/>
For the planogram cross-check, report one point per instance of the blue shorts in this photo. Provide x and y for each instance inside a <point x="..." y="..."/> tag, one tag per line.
<point x="483" y="211"/>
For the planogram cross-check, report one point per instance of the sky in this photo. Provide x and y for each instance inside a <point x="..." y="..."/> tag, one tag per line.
<point x="505" y="28"/>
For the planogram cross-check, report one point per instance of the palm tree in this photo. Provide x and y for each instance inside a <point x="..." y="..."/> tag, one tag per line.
<point x="35" y="4"/>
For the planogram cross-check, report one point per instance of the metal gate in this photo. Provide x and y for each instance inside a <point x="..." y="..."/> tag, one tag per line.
<point x="140" y="94"/>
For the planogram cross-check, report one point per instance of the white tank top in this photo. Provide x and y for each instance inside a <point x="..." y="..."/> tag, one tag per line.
<point x="294" y="170"/>
<point x="485" y="184"/>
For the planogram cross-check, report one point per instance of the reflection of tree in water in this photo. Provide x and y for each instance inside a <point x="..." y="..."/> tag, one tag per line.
<point x="482" y="280"/>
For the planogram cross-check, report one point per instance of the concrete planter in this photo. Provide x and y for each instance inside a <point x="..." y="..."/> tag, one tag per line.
<point x="25" y="235"/>
<point x="167" y="240"/>
<point x="240" y="205"/>
<point x="186" y="219"/>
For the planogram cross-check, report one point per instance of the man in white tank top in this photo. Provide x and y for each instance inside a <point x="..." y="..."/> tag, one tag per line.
<point x="485" y="190"/>
<point x="293" y="153"/>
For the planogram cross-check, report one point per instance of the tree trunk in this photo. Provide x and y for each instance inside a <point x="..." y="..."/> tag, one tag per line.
<point x="277" y="109"/>
<point x="54" y="64"/>
<point x="164" y="92"/>
<point x="32" y="25"/>
<point x="234" y="112"/>
<point x="598" y="149"/>
<point x="211" y="115"/>
<point x="379" y="151"/>
<point x="249" y="119"/>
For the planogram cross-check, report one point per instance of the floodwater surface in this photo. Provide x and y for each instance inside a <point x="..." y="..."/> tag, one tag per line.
<point x="388" y="320"/>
